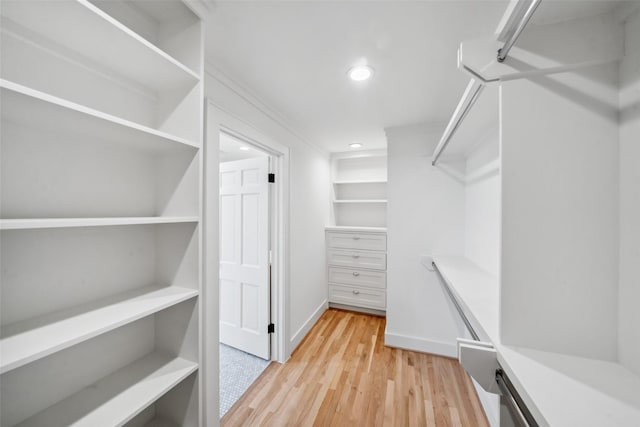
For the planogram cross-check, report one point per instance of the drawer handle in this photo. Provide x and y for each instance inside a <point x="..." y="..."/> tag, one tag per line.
<point x="356" y="256"/>
<point x="355" y="273"/>
<point x="356" y="238"/>
<point x="356" y="292"/>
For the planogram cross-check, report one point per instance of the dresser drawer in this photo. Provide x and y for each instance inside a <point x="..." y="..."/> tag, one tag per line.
<point x="360" y="297"/>
<point x="364" y="241"/>
<point x="349" y="276"/>
<point x="342" y="258"/>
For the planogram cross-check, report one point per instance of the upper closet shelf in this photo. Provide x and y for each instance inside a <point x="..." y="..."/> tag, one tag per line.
<point x="96" y="36"/>
<point x="36" y="223"/>
<point x="30" y="340"/>
<point x="117" y="398"/>
<point x="37" y="109"/>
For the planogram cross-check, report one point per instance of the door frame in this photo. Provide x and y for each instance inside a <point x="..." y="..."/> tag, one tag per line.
<point x="225" y="122"/>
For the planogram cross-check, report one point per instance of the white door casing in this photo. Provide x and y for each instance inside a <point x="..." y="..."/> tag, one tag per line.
<point x="244" y="260"/>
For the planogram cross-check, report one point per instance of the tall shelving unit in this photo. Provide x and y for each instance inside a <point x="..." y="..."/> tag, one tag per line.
<point x="359" y="188"/>
<point x="357" y="240"/>
<point x="100" y="214"/>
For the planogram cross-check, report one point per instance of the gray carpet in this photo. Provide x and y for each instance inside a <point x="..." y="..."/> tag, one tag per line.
<point x="238" y="370"/>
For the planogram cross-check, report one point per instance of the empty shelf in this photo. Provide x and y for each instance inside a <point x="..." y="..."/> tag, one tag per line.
<point x="564" y="390"/>
<point x="103" y="40"/>
<point x="34" y="223"/>
<point x="29" y="340"/>
<point x="117" y="398"/>
<point x="33" y="108"/>
<point x="476" y="290"/>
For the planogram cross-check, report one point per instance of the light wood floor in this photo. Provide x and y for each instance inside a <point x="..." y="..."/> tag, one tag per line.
<point x="342" y="374"/>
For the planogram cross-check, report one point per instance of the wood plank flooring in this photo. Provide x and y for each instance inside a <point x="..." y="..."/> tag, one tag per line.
<point x="343" y="375"/>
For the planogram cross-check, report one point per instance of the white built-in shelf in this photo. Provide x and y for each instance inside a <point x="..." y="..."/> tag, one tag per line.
<point x="476" y="290"/>
<point x="93" y="34"/>
<point x="34" y="223"/>
<point x="352" y="201"/>
<point x="117" y="398"/>
<point x="361" y="181"/>
<point x="31" y="107"/>
<point x="564" y="390"/>
<point x="593" y="392"/>
<point x="29" y="340"/>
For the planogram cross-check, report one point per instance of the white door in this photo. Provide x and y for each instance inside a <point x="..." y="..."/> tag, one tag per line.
<point x="244" y="255"/>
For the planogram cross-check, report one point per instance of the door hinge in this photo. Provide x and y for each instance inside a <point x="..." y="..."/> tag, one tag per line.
<point x="272" y="177"/>
<point x="271" y="328"/>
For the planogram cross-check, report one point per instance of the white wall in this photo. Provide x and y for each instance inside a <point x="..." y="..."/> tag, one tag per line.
<point x="425" y="215"/>
<point x="308" y="200"/>
<point x="629" y="315"/>
<point x="482" y="206"/>
<point x="559" y="266"/>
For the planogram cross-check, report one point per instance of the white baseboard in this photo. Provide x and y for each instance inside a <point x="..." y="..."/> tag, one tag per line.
<point x="420" y="344"/>
<point x="296" y="339"/>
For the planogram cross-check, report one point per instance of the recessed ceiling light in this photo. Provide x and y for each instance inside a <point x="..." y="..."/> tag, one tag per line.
<point x="355" y="145"/>
<point x="244" y="148"/>
<point x="360" y="73"/>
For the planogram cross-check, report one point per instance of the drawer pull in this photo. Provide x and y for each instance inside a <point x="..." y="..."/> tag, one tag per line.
<point x="355" y="256"/>
<point x="356" y="238"/>
<point x="356" y="292"/>
<point x="356" y="274"/>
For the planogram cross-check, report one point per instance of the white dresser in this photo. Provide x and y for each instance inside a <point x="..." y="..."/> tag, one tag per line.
<point x="357" y="267"/>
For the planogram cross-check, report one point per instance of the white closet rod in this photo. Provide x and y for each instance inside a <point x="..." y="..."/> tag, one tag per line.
<point x="471" y="94"/>
<point x="518" y="20"/>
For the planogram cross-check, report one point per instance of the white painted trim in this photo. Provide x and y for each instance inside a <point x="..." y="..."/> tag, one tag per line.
<point x="247" y="95"/>
<point x="420" y="344"/>
<point x="229" y="123"/>
<point x="297" y="338"/>
<point x="365" y="310"/>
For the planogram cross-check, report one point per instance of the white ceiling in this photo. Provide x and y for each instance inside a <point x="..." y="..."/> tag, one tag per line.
<point x="230" y="149"/>
<point x="294" y="55"/>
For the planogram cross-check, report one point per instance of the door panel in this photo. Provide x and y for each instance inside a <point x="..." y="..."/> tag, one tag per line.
<point x="244" y="248"/>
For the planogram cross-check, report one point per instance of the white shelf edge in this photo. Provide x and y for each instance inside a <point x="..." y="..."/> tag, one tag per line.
<point x="362" y="181"/>
<point x="118" y="397"/>
<point x="37" y="223"/>
<point x="360" y="201"/>
<point x="139" y="39"/>
<point x="81" y="109"/>
<point x="27" y="341"/>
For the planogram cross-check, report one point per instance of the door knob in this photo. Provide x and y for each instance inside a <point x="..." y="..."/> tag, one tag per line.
<point x="356" y="292"/>
<point x="355" y="273"/>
